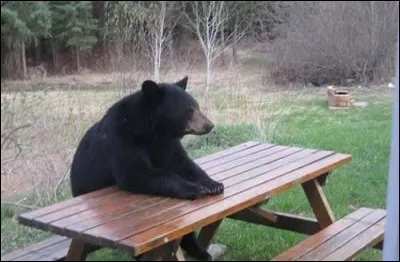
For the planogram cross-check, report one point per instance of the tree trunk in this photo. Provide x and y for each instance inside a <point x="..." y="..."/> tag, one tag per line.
<point x="78" y="64"/>
<point x="98" y="12"/>
<point x="223" y="43"/>
<point x="234" y="54"/>
<point x="172" y="57"/>
<point x="119" y="66"/>
<point x="208" y="81"/>
<point x="37" y="50"/>
<point x="54" y="53"/>
<point x="156" y="65"/>
<point x="208" y="74"/>
<point x="159" y="41"/>
<point x="24" y="59"/>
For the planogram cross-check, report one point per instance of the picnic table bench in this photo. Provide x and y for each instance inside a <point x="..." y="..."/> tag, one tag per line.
<point x="150" y="227"/>
<point x="343" y="240"/>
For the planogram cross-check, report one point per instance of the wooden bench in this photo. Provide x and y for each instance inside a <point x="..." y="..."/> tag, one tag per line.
<point x="151" y="227"/>
<point x="342" y="240"/>
<point x="52" y="249"/>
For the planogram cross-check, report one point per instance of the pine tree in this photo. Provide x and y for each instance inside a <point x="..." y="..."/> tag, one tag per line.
<point x="23" y="22"/>
<point x="74" y="25"/>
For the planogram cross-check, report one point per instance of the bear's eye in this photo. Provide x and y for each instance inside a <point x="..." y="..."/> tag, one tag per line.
<point x="190" y="111"/>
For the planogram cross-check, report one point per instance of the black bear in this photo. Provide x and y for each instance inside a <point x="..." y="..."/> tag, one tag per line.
<point x="137" y="146"/>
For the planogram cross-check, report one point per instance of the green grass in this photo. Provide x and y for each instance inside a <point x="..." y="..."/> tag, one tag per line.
<point x="362" y="132"/>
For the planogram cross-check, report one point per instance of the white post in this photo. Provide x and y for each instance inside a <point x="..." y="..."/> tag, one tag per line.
<point x="391" y="238"/>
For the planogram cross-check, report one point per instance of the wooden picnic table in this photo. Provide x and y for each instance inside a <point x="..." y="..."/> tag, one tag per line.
<point x="150" y="227"/>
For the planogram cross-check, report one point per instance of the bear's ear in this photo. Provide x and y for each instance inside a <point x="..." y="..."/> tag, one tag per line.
<point x="182" y="83"/>
<point x="152" y="92"/>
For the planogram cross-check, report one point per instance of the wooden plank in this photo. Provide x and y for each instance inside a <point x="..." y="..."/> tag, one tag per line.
<point x="291" y="154"/>
<point x="354" y="247"/>
<point x="226" y="152"/>
<point x="74" y="230"/>
<point x="42" y="221"/>
<point x="236" y="156"/>
<point x="258" y="163"/>
<point x="27" y="217"/>
<point x="319" y="203"/>
<point x="49" y="253"/>
<point x="29" y="249"/>
<point x="288" y="222"/>
<point x="260" y="166"/>
<point x="287" y="162"/>
<point x="121" y="228"/>
<point x="31" y="257"/>
<point x="58" y="255"/>
<point x="343" y="237"/>
<point x="106" y="235"/>
<point x="295" y="223"/>
<point x="127" y="204"/>
<point x="207" y="233"/>
<point x="246" y="198"/>
<point x="322" y="236"/>
<point x="255" y="216"/>
<point x="245" y="160"/>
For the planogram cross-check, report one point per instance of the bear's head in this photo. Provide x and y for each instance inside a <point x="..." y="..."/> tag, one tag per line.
<point x="174" y="111"/>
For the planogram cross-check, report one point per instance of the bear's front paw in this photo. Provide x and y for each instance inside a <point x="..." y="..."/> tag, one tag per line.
<point x="219" y="188"/>
<point x="213" y="187"/>
<point x="197" y="194"/>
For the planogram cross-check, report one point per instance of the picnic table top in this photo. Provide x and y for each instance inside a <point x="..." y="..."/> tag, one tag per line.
<point x="250" y="172"/>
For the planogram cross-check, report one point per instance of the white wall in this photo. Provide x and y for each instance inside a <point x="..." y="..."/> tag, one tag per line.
<point x="391" y="241"/>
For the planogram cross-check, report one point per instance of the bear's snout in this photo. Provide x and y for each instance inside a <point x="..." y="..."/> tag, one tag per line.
<point x="208" y="127"/>
<point x="199" y="124"/>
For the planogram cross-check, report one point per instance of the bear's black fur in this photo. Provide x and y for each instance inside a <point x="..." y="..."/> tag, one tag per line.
<point x="137" y="147"/>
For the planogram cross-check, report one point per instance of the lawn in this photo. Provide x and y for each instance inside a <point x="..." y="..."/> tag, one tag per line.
<point x="291" y="120"/>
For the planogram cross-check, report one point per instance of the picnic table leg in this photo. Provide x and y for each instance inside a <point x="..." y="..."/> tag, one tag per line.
<point x="294" y="223"/>
<point x="318" y="202"/>
<point x="78" y="250"/>
<point x="323" y="178"/>
<point x="207" y="233"/>
<point x="205" y="236"/>
<point x="168" y="252"/>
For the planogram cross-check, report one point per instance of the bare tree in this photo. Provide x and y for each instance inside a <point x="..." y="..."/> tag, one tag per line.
<point x="208" y="20"/>
<point x="338" y="43"/>
<point x="156" y="30"/>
